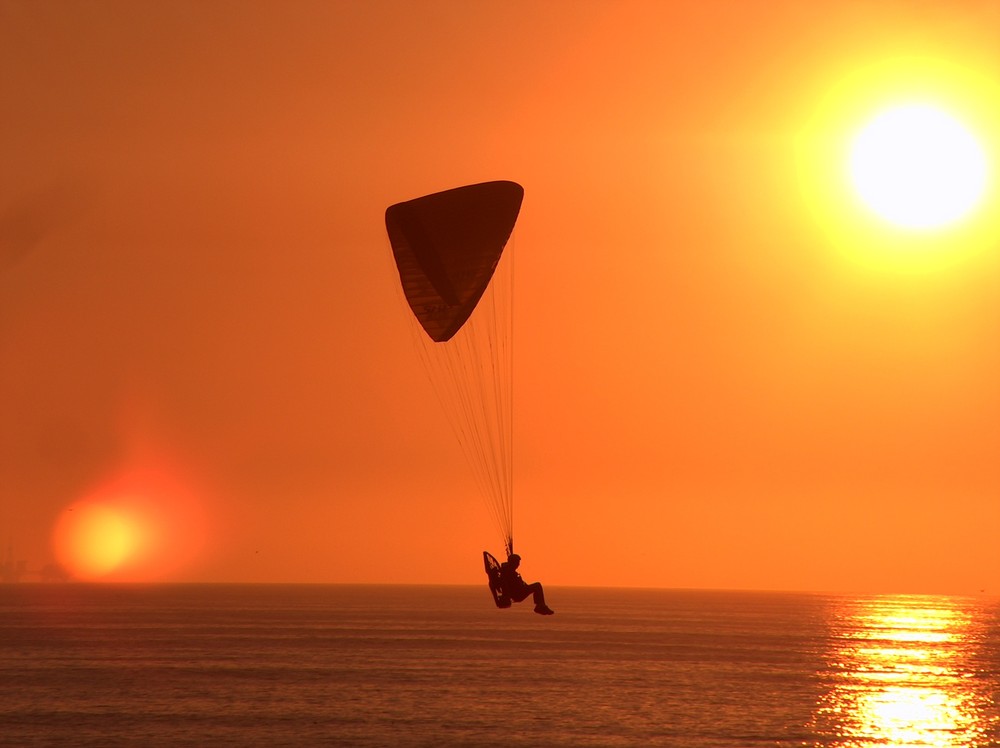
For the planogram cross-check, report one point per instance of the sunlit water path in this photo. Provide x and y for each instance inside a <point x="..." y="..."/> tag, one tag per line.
<point x="229" y="665"/>
<point x="910" y="671"/>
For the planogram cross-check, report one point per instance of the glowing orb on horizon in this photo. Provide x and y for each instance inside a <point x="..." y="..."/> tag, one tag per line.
<point x="140" y="525"/>
<point x="918" y="167"/>
<point x="95" y="539"/>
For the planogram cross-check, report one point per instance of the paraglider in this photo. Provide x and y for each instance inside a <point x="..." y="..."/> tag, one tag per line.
<point x="448" y="248"/>
<point x="507" y="587"/>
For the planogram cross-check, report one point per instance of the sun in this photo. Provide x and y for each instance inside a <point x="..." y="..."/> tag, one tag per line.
<point x="896" y="159"/>
<point x="95" y="539"/>
<point x="142" y="524"/>
<point x="917" y="167"/>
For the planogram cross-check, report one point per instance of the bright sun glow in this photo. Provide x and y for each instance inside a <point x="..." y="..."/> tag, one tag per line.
<point x="143" y="524"/>
<point x="96" y="539"/>
<point x="918" y="167"/>
<point x="896" y="161"/>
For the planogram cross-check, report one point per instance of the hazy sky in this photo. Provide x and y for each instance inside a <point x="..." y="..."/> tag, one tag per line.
<point x="723" y="377"/>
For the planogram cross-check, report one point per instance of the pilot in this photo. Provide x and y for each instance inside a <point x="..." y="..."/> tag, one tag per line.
<point x="517" y="589"/>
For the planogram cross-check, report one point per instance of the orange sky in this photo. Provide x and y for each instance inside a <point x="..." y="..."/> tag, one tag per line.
<point x="723" y="379"/>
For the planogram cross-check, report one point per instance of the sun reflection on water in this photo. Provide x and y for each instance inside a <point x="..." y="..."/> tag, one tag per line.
<point x="902" y="673"/>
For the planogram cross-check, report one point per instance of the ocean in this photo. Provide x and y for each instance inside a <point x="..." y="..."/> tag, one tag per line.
<point x="346" y="665"/>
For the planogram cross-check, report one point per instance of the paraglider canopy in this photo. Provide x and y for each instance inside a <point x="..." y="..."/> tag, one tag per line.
<point x="447" y="246"/>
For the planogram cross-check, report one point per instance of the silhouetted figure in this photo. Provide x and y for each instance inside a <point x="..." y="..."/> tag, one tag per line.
<point x="517" y="589"/>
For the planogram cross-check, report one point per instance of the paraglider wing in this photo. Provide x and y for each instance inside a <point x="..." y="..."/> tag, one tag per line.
<point x="446" y="247"/>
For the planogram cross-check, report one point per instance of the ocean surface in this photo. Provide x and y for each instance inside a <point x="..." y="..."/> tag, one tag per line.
<point x="342" y="665"/>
